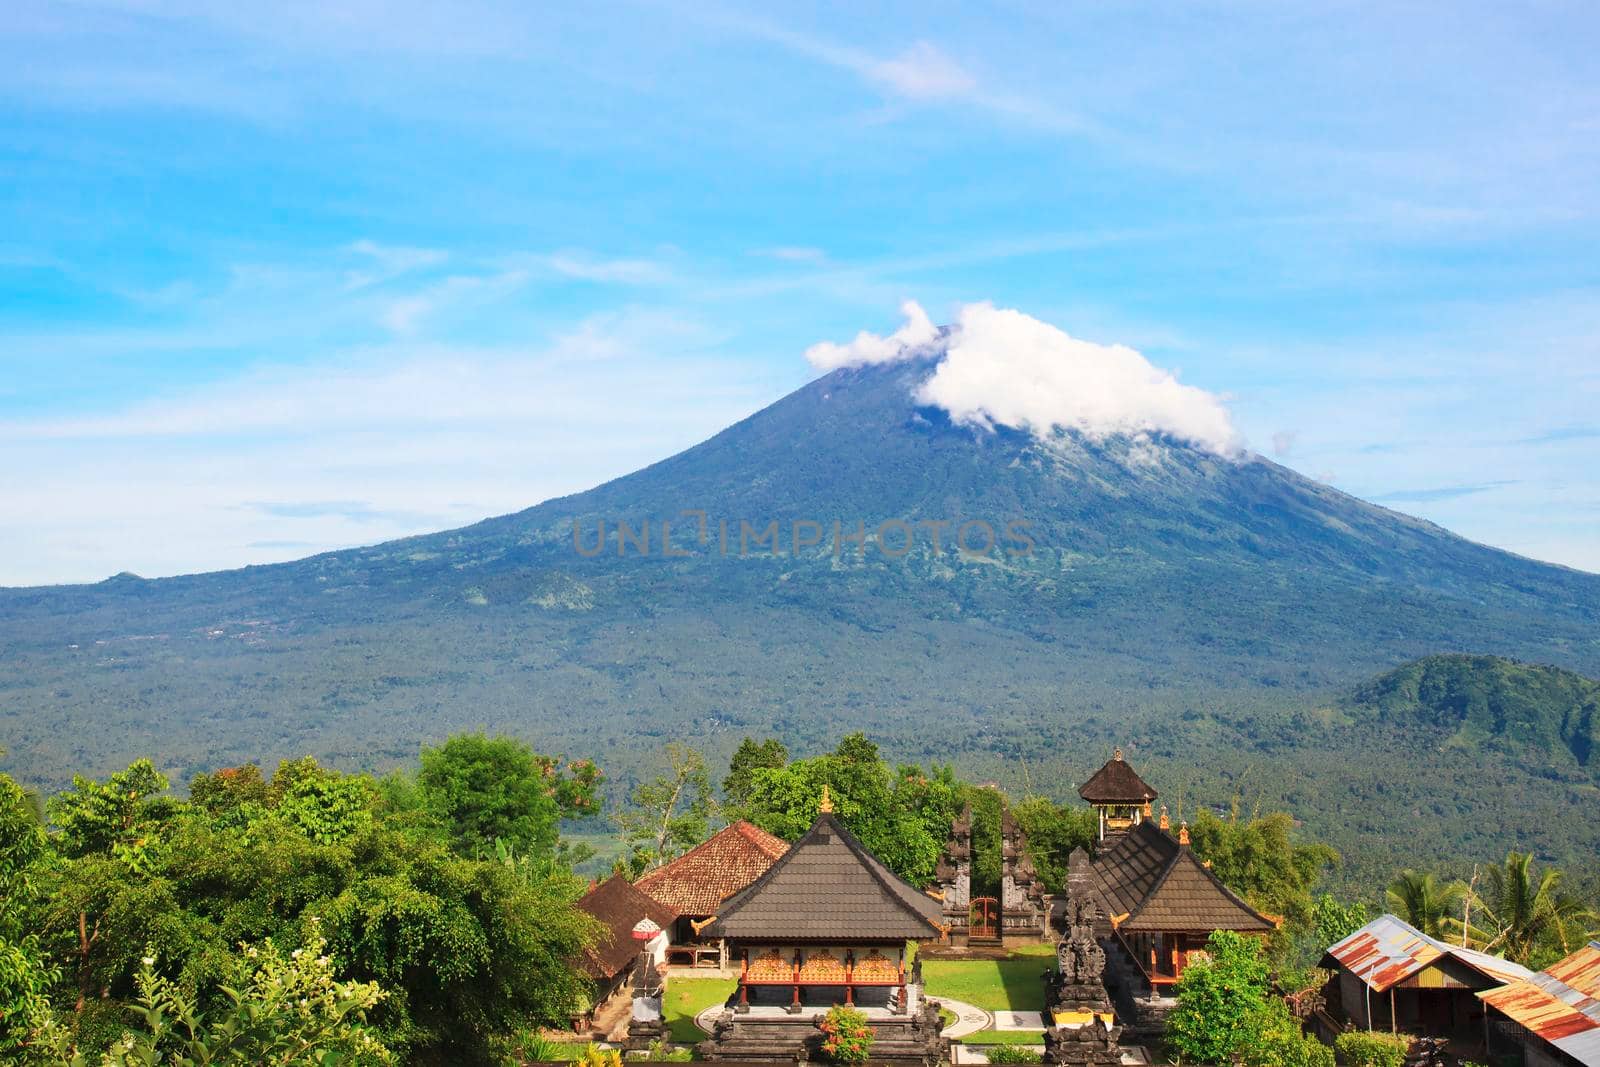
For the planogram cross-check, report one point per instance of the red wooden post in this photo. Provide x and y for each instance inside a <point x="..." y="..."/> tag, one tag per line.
<point x="797" y="979"/>
<point x="744" y="978"/>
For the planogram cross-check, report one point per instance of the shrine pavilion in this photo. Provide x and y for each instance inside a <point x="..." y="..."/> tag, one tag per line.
<point x="1118" y="795"/>
<point x="826" y="924"/>
<point x="1163" y="903"/>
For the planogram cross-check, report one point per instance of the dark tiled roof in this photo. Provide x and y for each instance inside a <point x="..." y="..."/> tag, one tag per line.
<point x="1132" y="866"/>
<point x="698" y="881"/>
<point x="1158" y="884"/>
<point x="1116" y="783"/>
<point x="828" y="888"/>
<point x="619" y="906"/>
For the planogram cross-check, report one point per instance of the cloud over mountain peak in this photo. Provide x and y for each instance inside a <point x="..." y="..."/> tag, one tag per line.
<point x="1001" y="367"/>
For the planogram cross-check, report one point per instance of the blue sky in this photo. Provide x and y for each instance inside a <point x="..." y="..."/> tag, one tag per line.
<point x="279" y="278"/>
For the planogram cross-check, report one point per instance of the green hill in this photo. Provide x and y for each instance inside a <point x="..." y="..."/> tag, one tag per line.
<point x="1545" y="716"/>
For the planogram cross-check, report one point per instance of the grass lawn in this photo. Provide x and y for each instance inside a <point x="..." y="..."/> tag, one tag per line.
<point x="1003" y="1037"/>
<point x="994" y="985"/>
<point x="688" y="997"/>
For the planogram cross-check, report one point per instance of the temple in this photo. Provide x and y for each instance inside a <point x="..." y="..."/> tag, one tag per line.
<point x="1118" y="795"/>
<point x="695" y="884"/>
<point x="826" y="924"/>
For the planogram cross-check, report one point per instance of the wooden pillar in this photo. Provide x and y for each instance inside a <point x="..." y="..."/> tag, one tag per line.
<point x="1394" y="1020"/>
<point x="744" y="975"/>
<point x="849" y="979"/>
<point x="796" y="1003"/>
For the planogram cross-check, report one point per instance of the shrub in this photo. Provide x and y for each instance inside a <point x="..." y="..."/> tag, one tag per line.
<point x="846" y="1036"/>
<point x="1362" y="1048"/>
<point x="1012" y="1054"/>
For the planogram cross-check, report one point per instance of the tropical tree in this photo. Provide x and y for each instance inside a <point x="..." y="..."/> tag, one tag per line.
<point x="483" y="788"/>
<point x="1525" y="915"/>
<point x="672" y="811"/>
<point x="1425" y="902"/>
<point x="750" y="757"/>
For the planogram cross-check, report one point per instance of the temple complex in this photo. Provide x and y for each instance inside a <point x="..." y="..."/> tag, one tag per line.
<point x="826" y="924"/>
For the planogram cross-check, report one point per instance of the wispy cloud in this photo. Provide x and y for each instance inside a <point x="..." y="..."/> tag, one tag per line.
<point x="1444" y="492"/>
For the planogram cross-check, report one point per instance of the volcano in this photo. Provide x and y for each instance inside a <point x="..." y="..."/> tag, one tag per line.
<point x="802" y="578"/>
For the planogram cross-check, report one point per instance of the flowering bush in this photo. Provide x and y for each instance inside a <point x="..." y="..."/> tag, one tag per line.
<point x="846" y="1037"/>
<point x="290" y="1010"/>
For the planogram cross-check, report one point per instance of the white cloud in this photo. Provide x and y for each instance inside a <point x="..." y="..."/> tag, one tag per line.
<point x="1001" y="367"/>
<point x="915" y="336"/>
<point x="1283" y="442"/>
<point x="923" y="72"/>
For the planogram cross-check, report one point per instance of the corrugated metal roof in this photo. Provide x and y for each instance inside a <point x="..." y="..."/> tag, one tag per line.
<point x="1388" y="950"/>
<point x="1560" y="1005"/>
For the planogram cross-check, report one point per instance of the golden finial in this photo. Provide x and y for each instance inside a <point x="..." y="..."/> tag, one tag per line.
<point x="1183" y="834"/>
<point x="1147" y="809"/>
<point x="1117" y="752"/>
<point x="1166" y="823"/>
<point x="827" y="801"/>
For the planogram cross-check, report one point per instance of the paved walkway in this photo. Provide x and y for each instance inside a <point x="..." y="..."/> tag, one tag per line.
<point x="1019" y="1020"/>
<point x="969" y="1018"/>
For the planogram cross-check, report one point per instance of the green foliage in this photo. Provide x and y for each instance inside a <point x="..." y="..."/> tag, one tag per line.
<point x="467" y="948"/>
<point x="1527" y="916"/>
<point x="484" y="788"/>
<point x="671" y="812"/>
<point x="1003" y="1053"/>
<point x="286" y="1010"/>
<point x="1334" y="920"/>
<point x="101" y="817"/>
<point x="1362" y="1048"/>
<point x="1054" y="830"/>
<point x="749" y="757"/>
<point x="1427" y="903"/>
<point x="901" y="816"/>
<point x="25" y="976"/>
<point x="1260" y="859"/>
<point x="1540" y="713"/>
<point x="1225" y="1009"/>
<point x="846" y="1035"/>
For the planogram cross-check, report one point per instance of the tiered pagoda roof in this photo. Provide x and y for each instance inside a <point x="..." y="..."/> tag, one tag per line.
<point x="828" y="888"/>
<point x="698" y="881"/>
<point x="1116" y="783"/>
<point x="1152" y="883"/>
<point x="619" y="906"/>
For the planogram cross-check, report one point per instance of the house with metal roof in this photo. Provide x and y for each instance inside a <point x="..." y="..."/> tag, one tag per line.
<point x="1392" y="976"/>
<point x="1551" y="1018"/>
<point x="828" y="923"/>
<point x="1118" y="795"/>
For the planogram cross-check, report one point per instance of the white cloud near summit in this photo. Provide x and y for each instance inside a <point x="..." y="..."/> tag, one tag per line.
<point x="1002" y="367"/>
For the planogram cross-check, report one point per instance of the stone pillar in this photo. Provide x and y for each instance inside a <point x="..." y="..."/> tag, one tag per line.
<point x="1080" y="1026"/>
<point x="1022" y="912"/>
<point x="953" y="874"/>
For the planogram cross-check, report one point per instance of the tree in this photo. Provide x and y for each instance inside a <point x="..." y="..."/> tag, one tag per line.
<point x="99" y="817"/>
<point x="1525" y="913"/>
<point x="1425" y="902"/>
<point x="751" y="756"/>
<point x="672" y="811"/>
<point x="1226" y="1011"/>
<point x="1260" y="859"/>
<point x="1053" y="831"/>
<point x="25" y="977"/>
<point x="1220" y="999"/>
<point x="483" y="788"/>
<point x="1335" y="920"/>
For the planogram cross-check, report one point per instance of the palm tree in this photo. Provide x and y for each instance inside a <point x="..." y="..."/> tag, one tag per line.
<point x="1521" y="909"/>
<point x="1425" y="902"/>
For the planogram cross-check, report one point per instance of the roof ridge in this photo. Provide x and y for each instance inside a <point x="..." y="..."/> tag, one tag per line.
<point x="896" y="885"/>
<point x="653" y="875"/>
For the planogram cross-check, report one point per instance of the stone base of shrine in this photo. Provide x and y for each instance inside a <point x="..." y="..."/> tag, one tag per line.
<point x="769" y="1035"/>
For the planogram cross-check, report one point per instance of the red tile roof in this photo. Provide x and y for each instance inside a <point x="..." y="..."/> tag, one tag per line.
<point x="619" y="906"/>
<point x="698" y="881"/>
